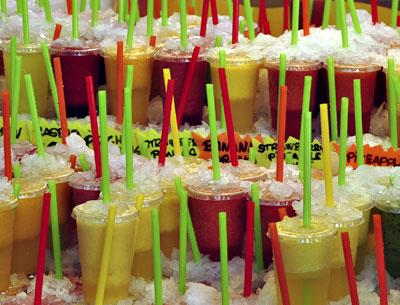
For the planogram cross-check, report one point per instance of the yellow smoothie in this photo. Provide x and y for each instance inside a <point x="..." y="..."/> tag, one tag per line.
<point x="27" y="226"/>
<point x="91" y="218"/>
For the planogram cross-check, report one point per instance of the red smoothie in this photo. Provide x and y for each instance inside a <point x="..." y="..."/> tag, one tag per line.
<point x="85" y="186"/>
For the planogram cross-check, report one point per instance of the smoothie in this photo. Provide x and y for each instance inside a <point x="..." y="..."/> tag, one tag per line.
<point x="246" y="171"/>
<point x="85" y="187"/>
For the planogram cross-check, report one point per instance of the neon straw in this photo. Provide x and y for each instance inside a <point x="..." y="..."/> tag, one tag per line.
<point x="255" y="197"/>
<point x="286" y="15"/>
<point x="82" y="8"/>
<point x="128" y="138"/>
<point x="61" y="99"/>
<point x="354" y="17"/>
<point x="326" y="155"/>
<point x="374" y="11"/>
<point x="17" y="170"/>
<point x="75" y="22"/>
<point x="155" y="226"/>
<point x="235" y="22"/>
<point x="394" y="13"/>
<point x="13" y="93"/>
<point x="343" y="140"/>
<point x="183" y="241"/>
<point x="358" y="121"/>
<point x="327" y="13"/>
<point x="223" y="248"/>
<point x="83" y="161"/>
<point x="204" y="18"/>
<point x="305" y="108"/>
<point x="306" y="18"/>
<point x="47" y="11"/>
<point x="166" y="121"/>
<point x="213" y="132"/>
<point x="25" y="22"/>
<point x="95" y="13"/>
<point x="380" y="259"/>
<point x="351" y="276"/>
<point x="139" y="205"/>
<point x="120" y="6"/>
<point x="120" y="81"/>
<point x="230" y="8"/>
<point x="252" y="155"/>
<point x="295" y="22"/>
<point x="218" y="42"/>
<point x="150" y="17"/>
<point x="6" y="135"/>
<point x="249" y="19"/>
<point x="392" y="103"/>
<point x="131" y="27"/>
<point x="183" y="20"/>
<point x="4" y="8"/>
<point x="262" y="18"/>
<point x="338" y="22"/>
<point x="282" y="81"/>
<point x="343" y="24"/>
<point x="164" y="12"/>
<point x="280" y="160"/>
<point x="307" y="170"/>
<point x="214" y="12"/>
<point x="332" y="98"/>
<point x="248" y="261"/>
<point x="72" y="161"/>
<point x="57" y="31"/>
<point x="105" y="182"/>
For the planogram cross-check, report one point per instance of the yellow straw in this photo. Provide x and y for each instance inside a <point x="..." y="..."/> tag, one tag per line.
<point x="139" y="204"/>
<point x="105" y="258"/>
<point x="174" y="123"/>
<point x="326" y="155"/>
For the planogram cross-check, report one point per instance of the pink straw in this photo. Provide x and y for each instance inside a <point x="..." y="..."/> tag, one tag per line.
<point x="380" y="259"/>
<point x="6" y="135"/>
<point x="248" y="262"/>
<point x="204" y="18"/>
<point x="214" y="12"/>
<point x="235" y="22"/>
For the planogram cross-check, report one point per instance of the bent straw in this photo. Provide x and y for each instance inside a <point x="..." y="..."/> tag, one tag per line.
<point x="248" y="261"/>
<point x="307" y="170"/>
<point x="128" y="139"/>
<point x="351" y="276"/>
<point x="326" y="155"/>
<point x="280" y="160"/>
<point x="83" y="161"/>
<point x="380" y="259"/>
<point x="61" y="99"/>
<point x="358" y="121"/>
<point x="6" y="135"/>
<point x="183" y="241"/>
<point x="15" y="93"/>
<point x="235" y="22"/>
<point x="255" y="197"/>
<point x="213" y="132"/>
<point x="155" y="226"/>
<point x="41" y="261"/>
<point x="223" y="248"/>
<point x="332" y="98"/>
<point x="343" y="140"/>
<point x="120" y="81"/>
<point x="105" y="182"/>
<point x="106" y="254"/>
<point x="327" y="13"/>
<point x="249" y="19"/>
<point x="204" y="18"/>
<point x="354" y="17"/>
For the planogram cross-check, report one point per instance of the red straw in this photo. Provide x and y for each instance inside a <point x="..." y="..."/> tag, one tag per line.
<point x="41" y="262"/>
<point x="214" y="12"/>
<point x="93" y="124"/>
<point x="69" y="7"/>
<point x="6" y="135"/>
<point x="61" y="99"/>
<point x="266" y="28"/>
<point x="228" y="116"/>
<point x="280" y="269"/>
<point x="380" y="259"/>
<point x="306" y="18"/>
<point x="351" y="276"/>
<point x="262" y="16"/>
<point x="281" y="135"/>
<point x="235" y="22"/>
<point x="248" y="261"/>
<point x="57" y="31"/>
<point x="204" y="18"/>
<point x="152" y="41"/>
<point x="285" y="15"/>
<point x="374" y="11"/>
<point x="165" y="128"/>
<point x="120" y="81"/>
<point x="72" y="161"/>
<point x="282" y="213"/>
<point x="188" y="84"/>
<point x="157" y="8"/>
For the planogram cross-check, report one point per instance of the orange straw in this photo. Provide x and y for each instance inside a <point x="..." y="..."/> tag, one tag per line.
<point x="306" y="18"/>
<point x="57" y="31"/>
<point x="282" y="213"/>
<point x="72" y="161"/>
<point x="380" y="259"/>
<point x="152" y="41"/>
<point x="351" y="276"/>
<point x="61" y="99"/>
<point x="120" y="81"/>
<point x="6" y="135"/>
<point x="281" y="134"/>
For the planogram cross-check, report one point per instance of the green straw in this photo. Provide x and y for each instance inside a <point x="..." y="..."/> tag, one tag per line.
<point x="307" y="171"/>
<point x="105" y="182"/>
<point x="25" y="22"/>
<point x="128" y="138"/>
<point x="344" y="112"/>
<point x="295" y="22"/>
<point x="150" y="17"/>
<point x="131" y="27"/>
<point x="343" y="24"/>
<point x="84" y="163"/>
<point x="332" y="98"/>
<point x="183" y="19"/>
<point x="249" y="19"/>
<point x="393" y="16"/>
<point x="305" y="109"/>
<point x="392" y="104"/>
<point x="218" y="42"/>
<point x="17" y="189"/>
<point x="164" y="12"/>
<point x="75" y="23"/>
<point x="327" y="12"/>
<point x="34" y="114"/>
<point x="16" y="61"/>
<point x="17" y="170"/>
<point x="47" y="11"/>
<point x="354" y="17"/>
<point x="183" y="241"/>
<point x="282" y="82"/>
<point x="95" y="12"/>
<point x="50" y="75"/>
<point x="310" y="9"/>
<point x="129" y="77"/>
<point x="252" y="155"/>
<point x="338" y="22"/>
<point x="4" y="9"/>
<point x="137" y="14"/>
<point x="242" y="26"/>
<point x="18" y="7"/>
<point x="223" y="248"/>
<point x="213" y="132"/>
<point x="358" y="119"/>
<point x="83" y="6"/>
<point x="255" y="197"/>
<point x="120" y="11"/>
<point x="55" y="230"/>
<point x="155" y="226"/>
<point x="222" y="64"/>
<point x="230" y="8"/>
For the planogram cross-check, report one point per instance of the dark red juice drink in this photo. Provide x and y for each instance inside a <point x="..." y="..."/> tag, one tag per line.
<point x="85" y="186"/>
<point x="78" y="60"/>
<point x="295" y="73"/>
<point x="205" y="202"/>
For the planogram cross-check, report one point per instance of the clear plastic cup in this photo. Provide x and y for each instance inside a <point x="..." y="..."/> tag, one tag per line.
<point x="85" y="187"/>
<point x="91" y="218"/>
<point x="247" y="171"/>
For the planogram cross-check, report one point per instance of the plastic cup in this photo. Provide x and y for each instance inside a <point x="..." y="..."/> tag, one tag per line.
<point x="142" y="60"/>
<point x="242" y="76"/>
<point x="344" y="77"/>
<point x="85" y="187"/>
<point x="1" y="63"/>
<point x="205" y="202"/>
<point x="27" y="226"/>
<point x="7" y="215"/>
<point x="33" y="64"/>
<point x="77" y="62"/>
<point x="91" y="218"/>
<point x="306" y="254"/>
<point x="247" y="171"/>
<point x="178" y="63"/>
<point x="295" y="73"/>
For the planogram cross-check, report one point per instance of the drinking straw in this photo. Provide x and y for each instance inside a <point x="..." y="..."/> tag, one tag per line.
<point x="84" y="163"/>
<point x="34" y="114"/>
<point x="242" y="26"/>
<point x="351" y="276"/>
<point x="327" y="13"/>
<point x="83" y="6"/>
<point x="332" y="98"/>
<point x="72" y="161"/>
<point x="295" y="22"/>
<point x="326" y="155"/>
<point x="343" y="24"/>
<point x="166" y="122"/>
<point x="380" y="259"/>
<point x="93" y="124"/>
<point x="218" y="42"/>
<point x="343" y="140"/>
<point x="106" y="254"/>
<point x="16" y="190"/>
<point x="213" y="132"/>
<point x="305" y="108"/>
<point x="183" y="241"/>
<point x="6" y="135"/>
<point x="282" y="213"/>
<point x="18" y="7"/>
<point x="155" y="226"/>
<point x="60" y="99"/>
<point x="337" y="14"/>
<point x="69" y="7"/>
<point x="55" y="230"/>
<point x="75" y="23"/>
<point x="307" y="170"/>
<point x="41" y="261"/>
<point x="4" y="8"/>
<point x="230" y="8"/>
<point x="280" y="267"/>
<point x="120" y="11"/>
<point x="252" y="155"/>
<point x="17" y="170"/>
<point x="249" y="19"/>
<point x="95" y="12"/>
<point x="128" y="138"/>
<point x="15" y="93"/>
<point x="374" y="11"/>
<point x="285" y="15"/>
<point x="164" y="12"/>
<point x="105" y="182"/>
<point x="228" y="117"/>
<point x="392" y="103"/>
<point x="214" y="12"/>
<point x="358" y="121"/>
<point x="150" y="17"/>
<point x="248" y="261"/>
<point x="255" y="197"/>
<point x="187" y="84"/>
<point x="354" y="17"/>
<point x="120" y="81"/>
<point x="393" y="16"/>
<point x="183" y="21"/>
<point x="280" y="160"/>
<point x="223" y="250"/>
<point x="204" y="18"/>
<point x="139" y="205"/>
<point x="25" y="22"/>
<point x="152" y="41"/>
<point x="235" y="22"/>
<point x="262" y="18"/>
<point x="306" y="18"/>
<point x="131" y="28"/>
<point x="173" y="120"/>
<point x="281" y="80"/>
<point x="57" y="31"/>
<point x="310" y="9"/>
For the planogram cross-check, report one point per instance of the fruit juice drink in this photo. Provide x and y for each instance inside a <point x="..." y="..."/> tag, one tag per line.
<point x="247" y="171"/>
<point x="91" y="218"/>
<point x="242" y="73"/>
<point x="78" y="60"/>
<point x="306" y="254"/>
<point x="33" y="64"/>
<point x="27" y="226"/>
<point x="1" y="64"/>
<point x="365" y="207"/>
<point x="295" y="73"/>
<point x="85" y="187"/>
<point x="344" y="77"/>
<point x="142" y="60"/>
